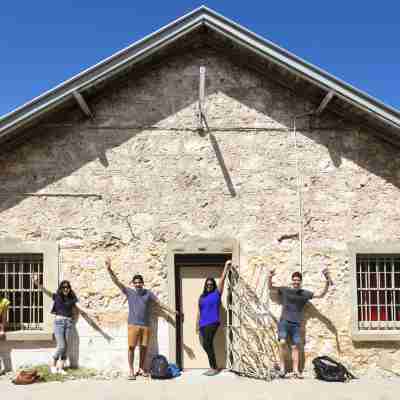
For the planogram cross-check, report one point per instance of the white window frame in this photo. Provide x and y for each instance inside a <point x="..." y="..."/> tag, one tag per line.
<point x="382" y="334"/>
<point x="50" y="252"/>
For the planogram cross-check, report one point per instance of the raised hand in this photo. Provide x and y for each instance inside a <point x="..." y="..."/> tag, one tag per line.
<point x="228" y="263"/>
<point x="327" y="275"/>
<point x="271" y="272"/>
<point x="35" y="279"/>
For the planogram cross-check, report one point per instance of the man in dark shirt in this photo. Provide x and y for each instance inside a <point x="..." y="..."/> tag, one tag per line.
<point x="139" y="301"/>
<point x="293" y="300"/>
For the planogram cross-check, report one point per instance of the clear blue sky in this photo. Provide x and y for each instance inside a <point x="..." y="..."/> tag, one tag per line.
<point x="44" y="42"/>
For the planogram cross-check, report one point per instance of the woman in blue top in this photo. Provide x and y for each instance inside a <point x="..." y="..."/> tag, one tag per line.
<point x="208" y="317"/>
<point x="64" y="306"/>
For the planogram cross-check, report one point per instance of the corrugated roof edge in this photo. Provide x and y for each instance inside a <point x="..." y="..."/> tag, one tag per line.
<point x="171" y="32"/>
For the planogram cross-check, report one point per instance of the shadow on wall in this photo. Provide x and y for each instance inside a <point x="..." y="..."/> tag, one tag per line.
<point x="74" y="341"/>
<point x="65" y="142"/>
<point x="311" y="312"/>
<point x="154" y="347"/>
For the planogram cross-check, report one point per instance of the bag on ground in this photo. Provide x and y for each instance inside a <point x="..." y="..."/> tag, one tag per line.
<point x="329" y="370"/>
<point x="159" y="368"/>
<point x="26" y="377"/>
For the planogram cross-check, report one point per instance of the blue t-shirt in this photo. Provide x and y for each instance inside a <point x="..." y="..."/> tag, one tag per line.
<point x="139" y="305"/>
<point x="209" y="308"/>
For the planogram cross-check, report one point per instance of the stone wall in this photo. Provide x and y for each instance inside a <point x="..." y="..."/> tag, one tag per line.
<point x="159" y="180"/>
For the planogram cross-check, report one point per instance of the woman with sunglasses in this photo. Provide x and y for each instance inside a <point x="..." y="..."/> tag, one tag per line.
<point x="208" y="316"/>
<point x="65" y="303"/>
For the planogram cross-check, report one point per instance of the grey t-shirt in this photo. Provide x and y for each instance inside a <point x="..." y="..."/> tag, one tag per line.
<point x="139" y="305"/>
<point x="293" y="302"/>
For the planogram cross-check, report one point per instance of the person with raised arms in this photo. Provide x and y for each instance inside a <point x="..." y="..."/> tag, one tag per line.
<point x="293" y="300"/>
<point x="65" y="302"/>
<point x="139" y="332"/>
<point x="208" y="316"/>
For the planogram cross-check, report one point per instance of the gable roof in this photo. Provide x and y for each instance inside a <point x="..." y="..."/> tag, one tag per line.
<point x="347" y="98"/>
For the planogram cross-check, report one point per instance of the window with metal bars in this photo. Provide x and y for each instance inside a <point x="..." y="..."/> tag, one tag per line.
<point x="378" y="291"/>
<point x="26" y="302"/>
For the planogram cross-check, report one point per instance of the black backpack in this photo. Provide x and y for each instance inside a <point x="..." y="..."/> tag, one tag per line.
<point x="329" y="370"/>
<point x="159" y="368"/>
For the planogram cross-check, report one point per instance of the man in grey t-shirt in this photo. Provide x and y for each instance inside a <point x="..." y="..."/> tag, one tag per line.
<point x="293" y="300"/>
<point x="139" y="302"/>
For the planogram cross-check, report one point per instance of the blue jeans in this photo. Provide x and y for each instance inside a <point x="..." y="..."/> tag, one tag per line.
<point x="62" y="333"/>
<point x="289" y="329"/>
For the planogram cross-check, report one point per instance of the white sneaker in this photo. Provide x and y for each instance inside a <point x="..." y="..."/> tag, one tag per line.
<point x="61" y="372"/>
<point x="53" y="370"/>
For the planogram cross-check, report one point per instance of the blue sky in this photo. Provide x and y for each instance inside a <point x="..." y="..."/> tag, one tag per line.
<point x="45" y="42"/>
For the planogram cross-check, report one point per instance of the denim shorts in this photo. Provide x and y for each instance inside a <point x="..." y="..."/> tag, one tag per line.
<point x="289" y="329"/>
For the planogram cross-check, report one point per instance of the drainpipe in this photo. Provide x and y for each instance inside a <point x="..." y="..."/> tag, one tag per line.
<point x="328" y="97"/>
<point x="299" y="184"/>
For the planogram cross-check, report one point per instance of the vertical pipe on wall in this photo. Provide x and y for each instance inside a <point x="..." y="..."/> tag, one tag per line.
<point x="299" y="197"/>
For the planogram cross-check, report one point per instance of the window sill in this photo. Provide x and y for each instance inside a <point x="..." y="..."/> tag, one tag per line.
<point x="29" y="335"/>
<point x="376" y="336"/>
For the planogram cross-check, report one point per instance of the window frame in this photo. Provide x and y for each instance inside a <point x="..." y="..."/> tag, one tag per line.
<point x="358" y="248"/>
<point x="50" y="252"/>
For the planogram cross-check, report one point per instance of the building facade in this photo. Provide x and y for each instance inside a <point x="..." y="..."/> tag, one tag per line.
<point x="136" y="164"/>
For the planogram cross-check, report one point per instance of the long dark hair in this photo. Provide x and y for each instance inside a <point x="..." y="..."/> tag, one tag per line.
<point x="71" y="294"/>
<point x="205" y="291"/>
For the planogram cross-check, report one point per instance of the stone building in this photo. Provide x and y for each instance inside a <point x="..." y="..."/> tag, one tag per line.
<point x="178" y="153"/>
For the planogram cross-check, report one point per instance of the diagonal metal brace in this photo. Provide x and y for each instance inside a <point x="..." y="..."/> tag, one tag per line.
<point x="325" y="101"/>
<point x="83" y="105"/>
<point x="202" y="91"/>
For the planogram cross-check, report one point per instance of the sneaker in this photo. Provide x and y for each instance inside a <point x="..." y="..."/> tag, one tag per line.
<point x="211" y="372"/>
<point x="53" y="370"/>
<point x="298" y="375"/>
<point x="61" y="372"/>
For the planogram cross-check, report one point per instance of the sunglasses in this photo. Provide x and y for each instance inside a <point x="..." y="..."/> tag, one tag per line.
<point x="65" y="287"/>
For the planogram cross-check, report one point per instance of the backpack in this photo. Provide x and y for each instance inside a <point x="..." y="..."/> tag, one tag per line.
<point x="159" y="368"/>
<point x="329" y="370"/>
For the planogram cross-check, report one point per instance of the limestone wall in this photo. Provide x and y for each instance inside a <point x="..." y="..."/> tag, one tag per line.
<point x="160" y="180"/>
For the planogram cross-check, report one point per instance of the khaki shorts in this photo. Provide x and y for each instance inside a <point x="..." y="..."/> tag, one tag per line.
<point x="138" y="335"/>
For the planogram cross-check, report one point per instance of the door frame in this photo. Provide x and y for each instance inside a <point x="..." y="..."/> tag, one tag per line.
<point x="194" y="246"/>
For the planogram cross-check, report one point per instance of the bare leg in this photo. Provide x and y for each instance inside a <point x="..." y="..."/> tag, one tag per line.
<point x="3" y="322"/>
<point x="60" y="365"/>
<point x="296" y="360"/>
<point x="143" y="353"/>
<point x="282" y="353"/>
<point x="131" y="356"/>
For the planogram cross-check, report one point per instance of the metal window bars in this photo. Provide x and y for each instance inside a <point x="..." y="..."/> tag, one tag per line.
<point x="250" y="335"/>
<point x="378" y="291"/>
<point x="26" y="302"/>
